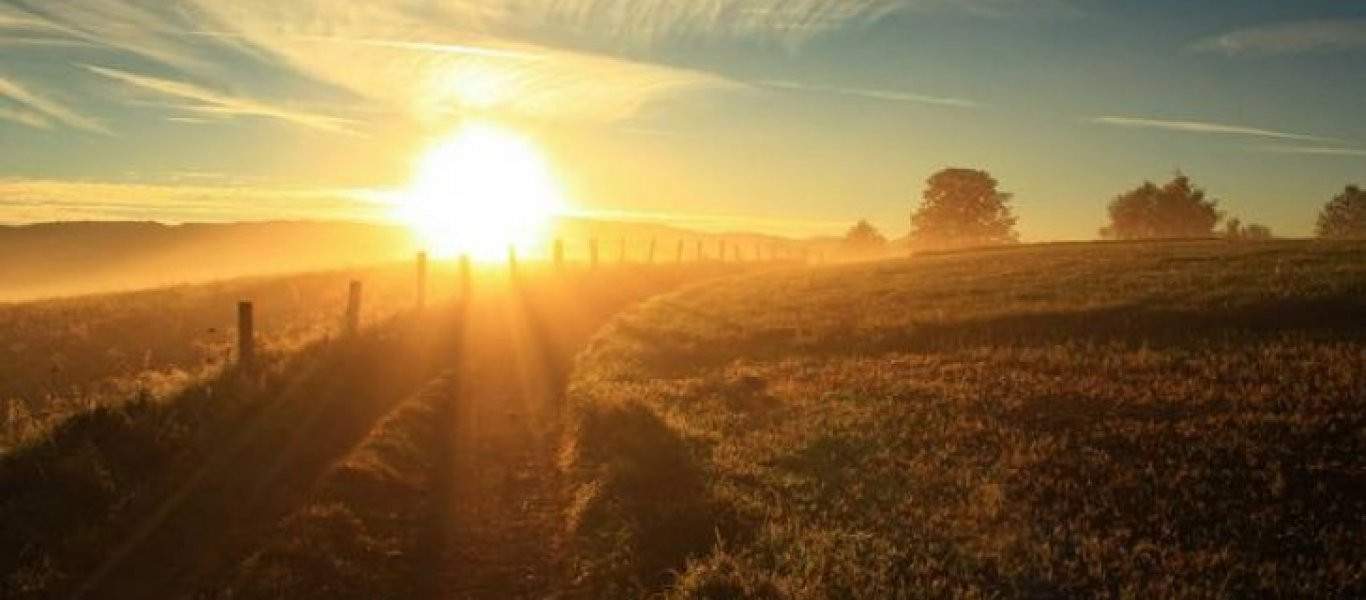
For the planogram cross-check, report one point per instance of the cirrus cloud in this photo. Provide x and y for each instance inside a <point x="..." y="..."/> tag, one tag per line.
<point x="1302" y="36"/>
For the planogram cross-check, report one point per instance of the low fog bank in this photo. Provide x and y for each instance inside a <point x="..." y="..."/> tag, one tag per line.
<point x="63" y="259"/>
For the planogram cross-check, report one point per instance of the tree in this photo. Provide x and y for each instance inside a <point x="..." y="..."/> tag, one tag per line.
<point x="1257" y="232"/>
<point x="1175" y="210"/>
<point x="1235" y="230"/>
<point x="863" y="238"/>
<point x="962" y="207"/>
<point x="1344" y="216"/>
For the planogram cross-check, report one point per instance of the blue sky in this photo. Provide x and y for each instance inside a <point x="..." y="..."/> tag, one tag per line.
<point x="787" y="116"/>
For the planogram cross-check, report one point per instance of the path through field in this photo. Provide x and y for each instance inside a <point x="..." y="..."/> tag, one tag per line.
<point x="502" y="500"/>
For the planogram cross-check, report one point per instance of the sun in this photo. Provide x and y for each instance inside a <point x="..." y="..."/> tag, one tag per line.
<point x="480" y="191"/>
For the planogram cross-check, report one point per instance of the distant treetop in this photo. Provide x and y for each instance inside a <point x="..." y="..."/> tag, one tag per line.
<point x="1344" y="216"/>
<point x="1178" y="209"/>
<point x="963" y="207"/>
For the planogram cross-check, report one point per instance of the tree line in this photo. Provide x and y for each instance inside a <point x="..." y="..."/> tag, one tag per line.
<point x="965" y="207"/>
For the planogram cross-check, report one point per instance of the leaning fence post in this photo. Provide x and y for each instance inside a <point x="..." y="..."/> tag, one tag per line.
<point x="353" y="308"/>
<point x="246" y="336"/>
<point x="559" y="254"/>
<point x="593" y="253"/>
<point x="421" y="279"/>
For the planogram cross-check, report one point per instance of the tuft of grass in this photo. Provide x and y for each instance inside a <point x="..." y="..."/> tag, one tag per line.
<point x="1109" y="420"/>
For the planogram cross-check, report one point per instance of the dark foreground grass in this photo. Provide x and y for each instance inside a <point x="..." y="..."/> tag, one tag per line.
<point x="1118" y="420"/>
<point x="161" y="498"/>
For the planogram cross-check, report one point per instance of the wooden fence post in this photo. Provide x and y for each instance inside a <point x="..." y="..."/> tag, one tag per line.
<point x="593" y="253"/>
<point x="246" y="335"/>
<point x="559" y="254"/>
<point x="621" y="252"/>
<point x="721" y="253"/>
<point x="421" y="280"/>
<point x="353" y="308"/>
<point x="650" y="257"/>
<point x="512" y="259"/>
<point x="700" y="252"/>
<point x="678" y="254"/>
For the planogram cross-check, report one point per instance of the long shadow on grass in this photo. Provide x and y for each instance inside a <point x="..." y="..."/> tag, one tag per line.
<point x="1339" y="317"/>
<point x="149" y="499"/>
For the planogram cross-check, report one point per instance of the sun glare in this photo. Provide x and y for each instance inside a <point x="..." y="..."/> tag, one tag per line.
<point x="480" y="191"/>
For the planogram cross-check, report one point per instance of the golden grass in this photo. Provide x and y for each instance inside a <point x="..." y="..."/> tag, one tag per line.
<point x="1110" y="420"/>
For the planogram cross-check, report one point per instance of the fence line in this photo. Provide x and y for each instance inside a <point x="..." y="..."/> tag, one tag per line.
<point x="247" y="352"/>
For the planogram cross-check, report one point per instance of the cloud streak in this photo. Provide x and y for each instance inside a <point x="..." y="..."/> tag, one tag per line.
<point x="1202" y="127"/>
<point x="1303" y="36"/>
<point x="1313" y="150"/>
<point x="872" y="94"/>
<point x="37" y="200"/>
<point x="37" y="110"/>
<point x="217" y="104"/>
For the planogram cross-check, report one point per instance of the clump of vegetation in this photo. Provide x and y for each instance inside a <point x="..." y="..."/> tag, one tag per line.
<point x="962" y="208"/>
<point x="1126" y="420"/>
<point x="1344" y="216"/>
<point x="1177" y="209"/>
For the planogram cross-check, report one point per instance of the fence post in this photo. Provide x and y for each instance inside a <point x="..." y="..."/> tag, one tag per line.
<point x="721" y="253"/>
<point x="512" y="259"/>
<point x="700" y="252"/>
<point x="650" y="257"/>
<point x="678" y="254"/>
<point x="421" y="280"/>
<point x="559" y="254"/>
<point x="353" y="308"/>
<point x="593" y="253"/>
<point x="464" y="277"/>
<point x="621" y="252"/>
<point x="246" y="336"/>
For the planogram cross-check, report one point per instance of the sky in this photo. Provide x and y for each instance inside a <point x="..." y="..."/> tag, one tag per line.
<point x="793" y="117"/>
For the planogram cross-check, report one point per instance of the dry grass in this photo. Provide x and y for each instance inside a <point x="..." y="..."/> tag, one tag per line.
<point x="69" y="355"/>
<point x="1108" y="420"/>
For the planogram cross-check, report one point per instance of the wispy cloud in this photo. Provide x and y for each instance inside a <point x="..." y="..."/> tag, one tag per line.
<point x="36" y="110"/>
<point x="1302" y="36"/>
<point x="1203" y="127"/>
<point x="218" y="104"/>
<point x="1312" y="150"/>
<point x="35" y="200"/>
<point x="874" y="94"/>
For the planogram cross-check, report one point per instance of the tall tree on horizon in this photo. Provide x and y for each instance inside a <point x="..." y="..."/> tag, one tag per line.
<point x="963" y="207"/>
<point x="863" y="239"/>
<point x="1344" y="216"/>
<point x="1178" y="209"/>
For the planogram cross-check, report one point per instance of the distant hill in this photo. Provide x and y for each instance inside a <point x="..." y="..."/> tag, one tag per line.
<point x="52" y="259"/>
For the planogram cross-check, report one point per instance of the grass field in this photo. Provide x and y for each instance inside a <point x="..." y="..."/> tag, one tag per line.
<point x="1096" y="420"/>
<point x="67" y="355"/>
<point x="340" y="467"/>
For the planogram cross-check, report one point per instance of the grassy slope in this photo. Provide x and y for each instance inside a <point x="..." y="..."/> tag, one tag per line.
<point x="1117" y="420"/>
<point x="66" y="355"/>
<point x="321" y="475"/>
